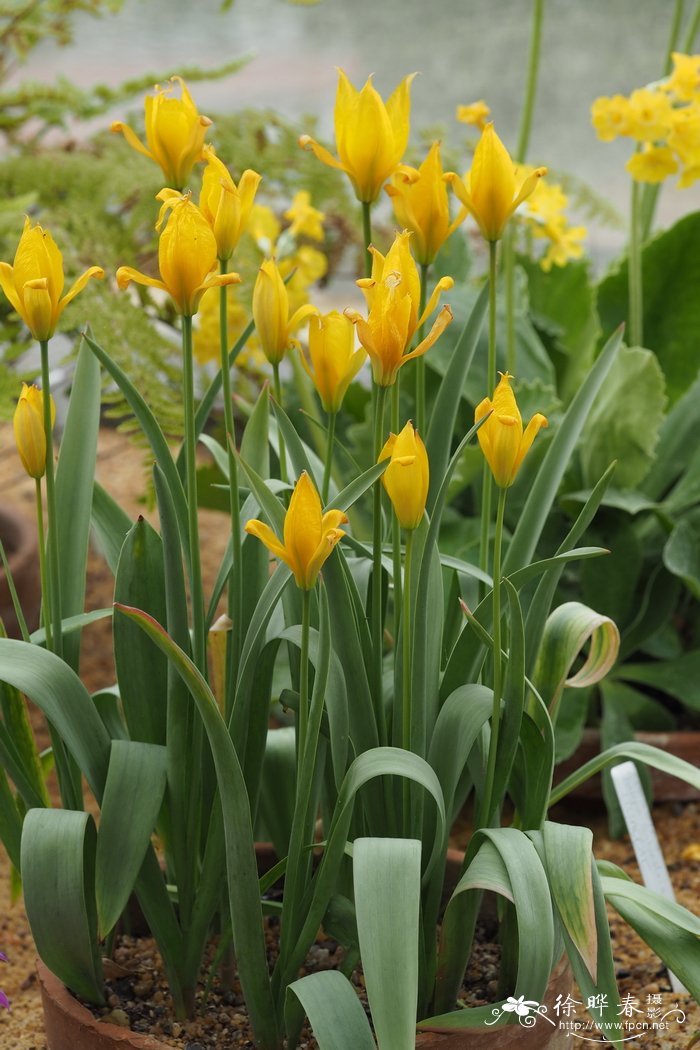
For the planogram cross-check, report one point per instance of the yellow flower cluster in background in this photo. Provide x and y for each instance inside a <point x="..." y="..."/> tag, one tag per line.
<point x="663" y="119"/>
<point x="544" y="215"/>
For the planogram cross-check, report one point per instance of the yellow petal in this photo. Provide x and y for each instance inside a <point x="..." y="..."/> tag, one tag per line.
<point x="79" y="284"/>
<point x="263" y="532"/>
<point x="127" y="274"/>
<point x="302" y="525"/>
<point x="131" y="137"/>
<point x="536" y="424"/>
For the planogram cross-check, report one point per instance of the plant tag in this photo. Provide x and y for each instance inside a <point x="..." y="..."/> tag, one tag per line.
<point x="645" y="842"/>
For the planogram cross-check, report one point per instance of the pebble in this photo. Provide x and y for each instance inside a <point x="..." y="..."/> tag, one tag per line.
<point x="117" y="1017"/>
<point x="142" y="989"/>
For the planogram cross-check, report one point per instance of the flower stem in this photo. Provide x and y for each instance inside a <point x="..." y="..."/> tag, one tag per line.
<point x="277" y="388"/>
<point x="235" y="580"/>
<point x="487" y="483"/>
<point x="407" y="628"/>
<point x="634" y="270"/>
<point x="367" y="235"/>
<point x="395" y="526"/>
<point x="487" y="802"/>
<point x="377" y="619"/>
<point x="45" y="589"/>
<point x="531" y="88"/>
<point x="420" y="361"/>
<point x="693" y="25"/>
<point x="53" y="576"/>
<point x="196" y="590"/>
<point x="304" y="673"/>
<point x="329" y="457"/>
<point x="509" y="282"/>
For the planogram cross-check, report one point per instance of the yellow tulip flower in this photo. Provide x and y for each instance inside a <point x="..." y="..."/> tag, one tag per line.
<point x="225" y="206"/>
<point x="393" y="298"/>
<point x="309" y="535"/>
<point x="334" y="360"/>
<point x="28" y="424"/>
<point x="371" y="136"/>
<point x="501" y="437"/>
<point x="271" y="313"/>
<point x="421" y="205"/>
<point x="489" y="191"/>
<point x="407" y="477"/>
<point x="34" y="283"/>
<point x="186" y="256"/>
<point x="476" y="113"/>
<point x="175" y="132"/>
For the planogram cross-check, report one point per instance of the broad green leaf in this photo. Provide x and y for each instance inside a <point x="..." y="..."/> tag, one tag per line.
<point x="276" y="802"/>
<point x="650" y="756"/>
<point x="546" y="484"/>
<point x="677" y="446"/>
<point x="682" y="551"/>
<point x="58" y="876"/>
<point x="302" y="458"/>
<point x="386" y="877"/>
<point x="679" y="678"/>
<point x="623" y="427"/>
<point x="111" y="525"/>
<point x="611" y="586"/>
<point x="10" y="822"/>
<point x="142" y="671"/>
<point x="566" y="632"/>
<point x="568" y="854"/>
<point x="268" y="503"/>
<point x="74" y="480"/>
<point x="642" y="711"/>
<point x="671" y="309"/>
<point x="255" y="445"/>
<point x="334" y="1011"/>
<point x="130" y="805"/>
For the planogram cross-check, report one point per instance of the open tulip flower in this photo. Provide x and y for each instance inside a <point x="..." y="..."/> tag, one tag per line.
<point x="334" y="360"/>
<point x="489" y="191"/>
<point x="309" y="535"/>
<point x="371" y="136"/>
<point x="175" y="132"/>
<point x="271" y="313"/>
<point x="419" y="197"/>
<point x="225" y="206"/>
<point x="393" y="298"/>
<point x="34" y="283"/>
<point x="186" y="256"/>
<point x="28" y="424"/>
<point x="502" y="439"/>
<point x="407" y="477"/>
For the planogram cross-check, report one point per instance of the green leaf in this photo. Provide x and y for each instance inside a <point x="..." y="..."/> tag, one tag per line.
<point x="623" y="427"/>
<point x="677" y="446"/>
<point x="74" y="480"/>
<point x="58" y="875"/>
<point x="277" y="790"/>
<point x="334" y="1011"/>
<point x="671" y="310"/>
<point x="568" y="853"/>
<point x="111" y="525"/>
<point x="650" y="756"/>
<point x="130" y="806"/>
<point x="386" y="877"/>
<point x="679" y="678"/>
<point x="207" y="403"/>
<point x="681" y="553"/>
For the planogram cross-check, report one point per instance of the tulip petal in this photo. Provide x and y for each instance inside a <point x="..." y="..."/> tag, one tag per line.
<point x="443" y="285"/>
<point x="443" y="319"/>
<point x="300" y="315"/>
<point x="536" y="424"/>
<point x="322" y="552"/>
<point x="302" y="525"/>
<point x="332" y="519"/>
<point x="77" y="286"/>
<point x="7" y="283"/>
<point x="131" y="137"/>
<point x="127" y="274"/>
<point x="264" y="533"/>
<point x="322" y="154"/>
<point x="528" y="187"/>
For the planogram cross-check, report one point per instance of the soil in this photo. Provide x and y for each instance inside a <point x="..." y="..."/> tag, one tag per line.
<point x="640" y="973"/>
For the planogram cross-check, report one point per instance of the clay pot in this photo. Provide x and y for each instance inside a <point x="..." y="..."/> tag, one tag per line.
<point x="19" y="538"/>
<point x="683" y="744"/>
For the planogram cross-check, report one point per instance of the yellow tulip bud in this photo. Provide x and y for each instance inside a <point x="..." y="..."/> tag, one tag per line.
<point x="34" y="283"/>
<point x="419" y="197"/>
<point x="393" y="298"/>
<point x="271" y="313"/>
<point x="225" y="206"/>
<point x="489" y="192"/>
<point x="28" y="424"/>
<point x="309" y="534"/>
<point x="334" y="360"/>
<point x="407" y="477"/>
<point x="186" y="255"/>
<point x="501" y="437"/>
<point x="174" y="132"/>
<point x="371" y="136"/>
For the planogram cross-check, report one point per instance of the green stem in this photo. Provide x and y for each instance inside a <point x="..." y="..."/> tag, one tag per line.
<point x="329" y="457"/>
<point x="53" y="576"/>
<point x="420" y="361"/>
<point x="509" y="282"/>
<point x="277" y="388"/>
<point x="487" y="483"/>
<point x="634" y="270"/>
<point x="531" y="87"/>
<point x="674" y="34"/>
<point x="196" y="590"/>
<point x="304" y="673"/>
<point x="487" y="802"/>
<point x="235" y="580"/>
<point x="693" y="27"/>
<point x="45" y="589"/>
<point x="407" y="627"/>
<point x="395" y="527"/>
<point x="367" y="235"/>
<point x="377" y="619"/>
<point x="21" y="622"/>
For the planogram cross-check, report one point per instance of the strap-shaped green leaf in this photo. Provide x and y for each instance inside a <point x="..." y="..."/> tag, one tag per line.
<point x="130" y="805"/>
<point x="386" y="876"/>
<point x="650" y="756"/>
<point x="334" y="1011"/>
<point x="110" y="523"/>
<point x="568" y="856"/>
<point x="58" y="873"/>
<point x="566" y="632"/>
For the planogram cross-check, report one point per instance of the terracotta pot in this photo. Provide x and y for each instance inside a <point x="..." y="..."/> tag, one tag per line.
<point x="70" y="1026"/>
<point x="684" y="744"/>
<point x="19" y="538"/>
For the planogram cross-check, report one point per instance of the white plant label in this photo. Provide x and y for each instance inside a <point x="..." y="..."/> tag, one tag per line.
<point x="645" y="842"/>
